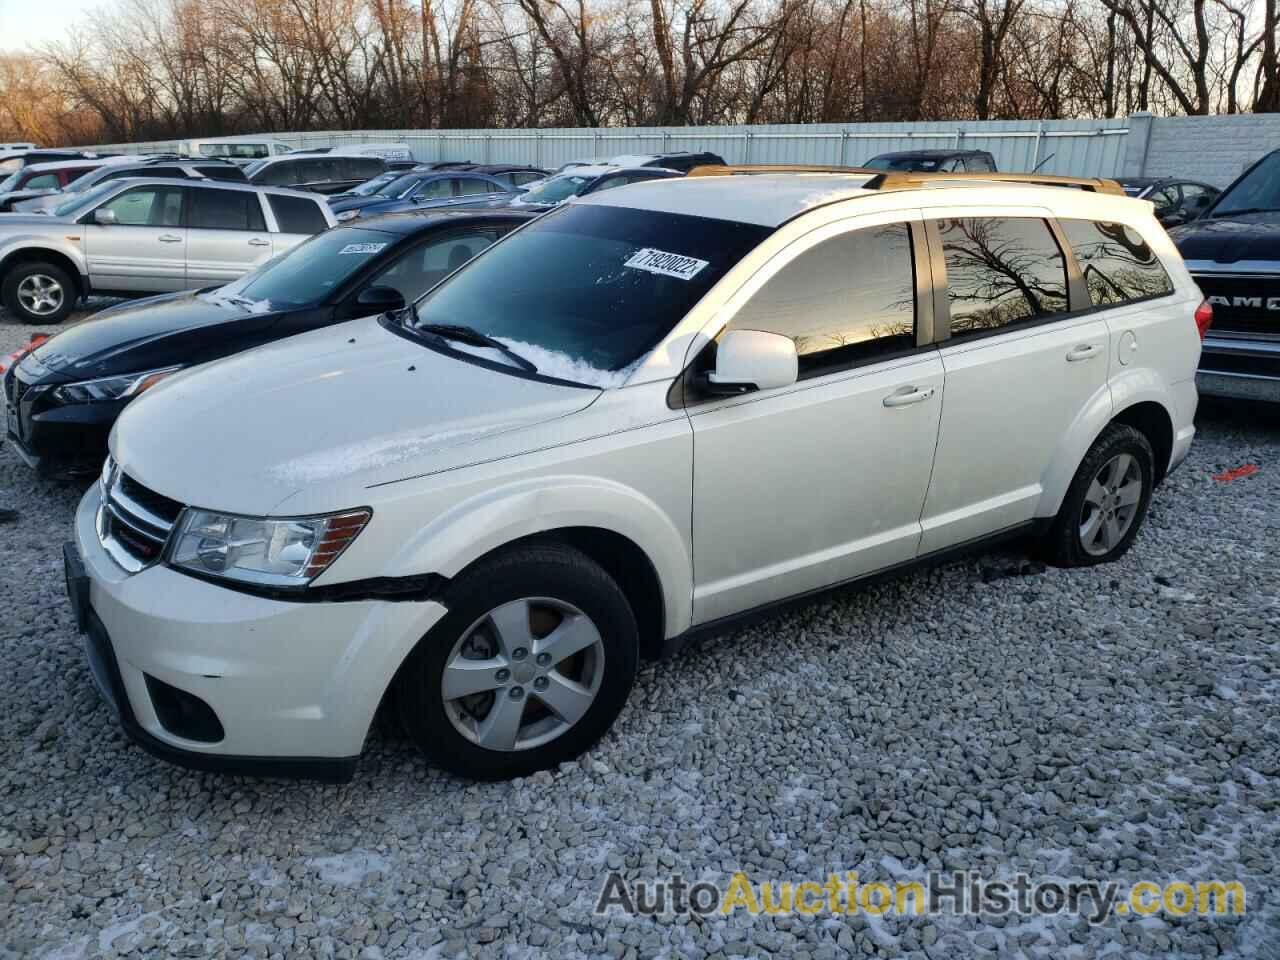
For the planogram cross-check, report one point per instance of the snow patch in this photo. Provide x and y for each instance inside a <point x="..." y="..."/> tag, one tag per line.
<point x="348" y="869"/>
<point x="553" y="363"/>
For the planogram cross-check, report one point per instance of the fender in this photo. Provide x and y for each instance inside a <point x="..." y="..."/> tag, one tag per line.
<point x="51" y="240"/>
<point x="483" y="523"/>
<point x="1090" y="421"/>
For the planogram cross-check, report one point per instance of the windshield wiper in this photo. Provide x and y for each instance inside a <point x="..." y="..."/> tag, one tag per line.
<point x="473" y="337"/>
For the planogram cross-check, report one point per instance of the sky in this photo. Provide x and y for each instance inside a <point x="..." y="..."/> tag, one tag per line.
<point x="32" y="22"/>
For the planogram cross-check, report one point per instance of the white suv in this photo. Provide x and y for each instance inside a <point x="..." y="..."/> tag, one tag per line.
<point x="639" y="417"/>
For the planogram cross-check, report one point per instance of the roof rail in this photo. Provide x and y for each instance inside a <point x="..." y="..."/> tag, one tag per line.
<point x="914" y="179"/>
<point x="747" y="169"/>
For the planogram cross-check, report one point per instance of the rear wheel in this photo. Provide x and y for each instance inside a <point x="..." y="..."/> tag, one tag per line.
<point x="39" y="293"/>
<point x="1106" y="502"/>
<point x="529" y="668"/>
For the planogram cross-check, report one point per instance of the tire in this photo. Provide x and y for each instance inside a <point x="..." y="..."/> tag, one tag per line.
<point x="36" y="292"/>
<point x="1099" y="518"/>
<point x="557" y="599"/>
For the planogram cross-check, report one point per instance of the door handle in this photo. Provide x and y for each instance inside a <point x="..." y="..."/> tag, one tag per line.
<point x="908" y="395"/>
<point x="169" y="238"/>
<point x="259" y="242"/>
<point x="1083" y="352"/>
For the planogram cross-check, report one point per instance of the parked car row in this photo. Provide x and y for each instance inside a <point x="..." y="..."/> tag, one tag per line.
<point x="542" y="430"/>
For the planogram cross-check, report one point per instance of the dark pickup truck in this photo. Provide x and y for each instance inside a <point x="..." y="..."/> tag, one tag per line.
<point x="1233" y="251"/>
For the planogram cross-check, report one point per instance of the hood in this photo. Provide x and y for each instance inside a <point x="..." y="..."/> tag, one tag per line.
<point x="339" y="204"/>
<point x="149" y="334"/>
<point x="334" y="411"/>
<point x="1228" y="239"/>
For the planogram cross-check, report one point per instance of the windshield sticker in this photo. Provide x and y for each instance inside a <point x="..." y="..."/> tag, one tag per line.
<point x="360" y="248"/>
<point x="667" y="264"/>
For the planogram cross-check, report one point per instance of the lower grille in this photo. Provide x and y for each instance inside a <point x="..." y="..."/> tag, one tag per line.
<point x="135" y="522"/>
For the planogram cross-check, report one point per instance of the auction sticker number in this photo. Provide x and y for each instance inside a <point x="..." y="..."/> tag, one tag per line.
<point x="668" y="264"/>
<point x="351" y="248"/>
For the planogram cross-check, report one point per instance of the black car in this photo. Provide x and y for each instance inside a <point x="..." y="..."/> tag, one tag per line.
<point x="681" y="161"/>
<point x="1233" y="252"/>
<point x="63" y="397"/>
<point x="1176" y="201"/>
<point x="935" y="161"/>
<point x="421" y="188"/>
<point x="321" y="173"/>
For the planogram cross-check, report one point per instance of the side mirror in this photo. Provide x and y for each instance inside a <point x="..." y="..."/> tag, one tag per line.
<point x="1176" y="219"/>
<point x="748" y="360"/>
<point x="105" y="217"/>
<point x="380" y="299"/>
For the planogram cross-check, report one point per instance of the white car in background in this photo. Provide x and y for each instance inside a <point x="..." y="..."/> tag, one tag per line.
<point x="645" y="415"/>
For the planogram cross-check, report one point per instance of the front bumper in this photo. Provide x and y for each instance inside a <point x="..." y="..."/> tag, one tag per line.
<point x="52" y="437"/>
<point x="294" y="686"/>
<point x="1240" y="367"/>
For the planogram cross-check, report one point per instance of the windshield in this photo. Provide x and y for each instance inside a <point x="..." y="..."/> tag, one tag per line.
<point x="400" y="185"/>
<point x="312" y="270"/>
<point x="1259" y="190"/>
<point x="557" y="189"/>
<point x="586" y="291"/>
<point x="370" y="187"/>
<point x="73" y="204"/>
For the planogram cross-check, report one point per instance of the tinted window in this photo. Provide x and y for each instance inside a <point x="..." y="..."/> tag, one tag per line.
<point x="1165" y="199"/>
<point x="316" y="170"/>
<point x="224" y="210"/>
<point x="434" y="189"/>
<point x="44" y="181"/>
<point x="147" y="207"/>
<point x="1001" y="272"/>
<point x="608" y="183"/>
<point x="469" y="186"/>
<point x="175" y="172"/>
<point x="221" y="171"/>
<point x="421" y="268"/>
<point x="1117" y="264"/>
<point x="586" y="291"/>
<point x="315" y="268"/>
<point x="1259" y="189"/>
<point x="359" y="168"/>
<point x="847" y="300"/>
<point x="297" y="215"/>
<point x="979" y="165"/>
<point x="283" y="174"/>
<point x="520" y="179"/>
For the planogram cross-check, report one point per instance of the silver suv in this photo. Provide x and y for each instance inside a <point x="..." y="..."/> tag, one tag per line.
<point x="141" y="236"/>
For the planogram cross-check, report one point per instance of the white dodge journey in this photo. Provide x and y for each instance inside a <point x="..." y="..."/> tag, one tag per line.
<point x="640" y="417"/>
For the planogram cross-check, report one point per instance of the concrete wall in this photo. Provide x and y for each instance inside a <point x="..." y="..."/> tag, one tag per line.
<point x="1213" y="149"/>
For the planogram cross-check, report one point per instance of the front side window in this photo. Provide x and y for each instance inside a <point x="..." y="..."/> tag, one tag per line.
<point x="434" y="189"/>
<point x="224" y="210"/>
<point x="1165" y="199"/>
<point x="147" y="207"/>
<point x="312" y="270"/>
<point x="587" y="291"/>
<point x="421" y="268"/>
<point x="1001" y="272"/>
<point x="847" y="300"/>
<point x="297" y="214"/>
<point x="1118" y="265"/>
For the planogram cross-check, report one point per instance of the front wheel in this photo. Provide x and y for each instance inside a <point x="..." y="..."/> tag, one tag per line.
<point x="529" y="668"/>
<point x="1106" y="502"/>
<point x="39" y="293"/>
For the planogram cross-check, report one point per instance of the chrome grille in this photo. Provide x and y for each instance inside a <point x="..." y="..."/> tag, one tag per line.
<point x="134" y="522"/>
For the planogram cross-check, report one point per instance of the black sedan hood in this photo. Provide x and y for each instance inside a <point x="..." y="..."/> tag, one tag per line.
<point x="1228" y="239"/>
<point x="338" y="205"/>
<point x="165" y="331"/>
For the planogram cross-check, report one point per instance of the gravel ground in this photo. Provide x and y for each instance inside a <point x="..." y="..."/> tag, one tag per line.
<point x="1115" y="722"/>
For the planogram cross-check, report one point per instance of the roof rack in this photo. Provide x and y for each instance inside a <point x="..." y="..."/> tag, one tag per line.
<point x="748" y="169"/>
<point x="915" y="179"/>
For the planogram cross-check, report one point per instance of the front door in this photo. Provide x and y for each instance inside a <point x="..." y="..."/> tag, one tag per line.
<point x="809" y="485"/>
<point x="1020" y="368"/>
<point x="145" y="249"/>
<point x="226" y="235"/>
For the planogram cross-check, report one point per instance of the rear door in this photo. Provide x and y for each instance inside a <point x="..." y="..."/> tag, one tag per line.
<point x="226" y="235"/>
<point x="145" y="249"/>
<point x="1025" y="358"/>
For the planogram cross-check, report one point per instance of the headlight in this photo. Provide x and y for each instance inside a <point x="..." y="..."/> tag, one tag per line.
<point x="285" y="553"/>
<point x="346" y="215"/>
<point x="108" y="468"/>
<point x="111" y="388"/>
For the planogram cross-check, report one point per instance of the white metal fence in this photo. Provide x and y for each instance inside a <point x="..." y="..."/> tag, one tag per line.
<point x="1131" y="146"/>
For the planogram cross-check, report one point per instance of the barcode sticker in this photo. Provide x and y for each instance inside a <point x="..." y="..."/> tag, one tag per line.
<point x="668" y="264"/>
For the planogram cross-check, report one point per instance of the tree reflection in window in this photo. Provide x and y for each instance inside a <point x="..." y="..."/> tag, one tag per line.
<point x="845" y="301"/>
<point x="1001" y="271"/>
<point x="1118" y="265"/>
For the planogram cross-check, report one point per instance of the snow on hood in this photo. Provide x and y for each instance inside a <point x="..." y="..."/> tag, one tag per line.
<point x="331" y="413"/>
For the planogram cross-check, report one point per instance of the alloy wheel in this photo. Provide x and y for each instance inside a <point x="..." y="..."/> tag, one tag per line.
<point x="40" y="294"/>
<point x="523" y="674"/>
<point x="1110" y="504"/>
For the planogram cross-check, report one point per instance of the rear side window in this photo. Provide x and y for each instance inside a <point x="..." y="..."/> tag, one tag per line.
<point x="282" y="174"/>
<point x="520" y="179"/>
<point x="848" y="300"/>
<point x="469" y="186"/>
<point x="175" y="172"/>
<point x="224" y="210"/>
<point x="359" y="168"/>
<point x="222" y="171"/>
<point x="44" y="181"/>
<point x="1118" y="265"/>
<point x="1001" y="272"/>
<point x="297" y="215"/>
